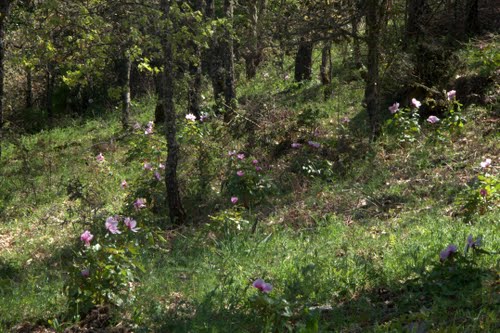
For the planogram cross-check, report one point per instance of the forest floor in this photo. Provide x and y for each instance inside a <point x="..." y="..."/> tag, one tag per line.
<point x="349" y="233"/>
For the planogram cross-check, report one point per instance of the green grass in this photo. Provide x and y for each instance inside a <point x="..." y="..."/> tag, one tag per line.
<point x="352" y="246"/>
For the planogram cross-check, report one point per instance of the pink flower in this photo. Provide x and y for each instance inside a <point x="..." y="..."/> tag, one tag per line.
<point x="100" y="158"/>
<point x="161" y="166"/>
<point x="149" y="128"/>
<point x="486" y="163"/>
<point x="204" y="117"/>
<point x="258" y="168"/>
<point x="394" y="108"/>
<point x="241" y="156"/>
<point x="157" y="176"/>
<point x="112" y="225"/>
<point x="234" y="200"/>
<point x="345" y="120"/>
<point x="448" y="252"/>
<point x="124" y="184"/>
<point x="240" y="173"/>
<point x="231" y="153"/>
<point x="296" y="145"/>
<point x="433" y="119"/>
<point x="451" y="94"/>
<point x="85" y="273"/>
<point x="483" y="192"/>
<point x="415" y="103"/>
<point x="191" y="117"/>
<point x="148" y="166"/>
<point x="313" y="144"/>
<point x="131" y="224"/>
<point x="254" y="162"/>
<point x="86" y="237"/>
<point x="262" y="285"/>
<point x="140" y="203"/>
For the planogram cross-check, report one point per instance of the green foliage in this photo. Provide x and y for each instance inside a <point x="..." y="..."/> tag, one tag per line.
<point x="480" y="197"/>
<point x="405" y="124"/>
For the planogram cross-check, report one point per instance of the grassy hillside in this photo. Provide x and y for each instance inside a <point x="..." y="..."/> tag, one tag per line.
<point x="347" y="231"/>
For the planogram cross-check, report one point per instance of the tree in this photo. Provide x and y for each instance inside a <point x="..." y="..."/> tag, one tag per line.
<point x="4" y="14"/>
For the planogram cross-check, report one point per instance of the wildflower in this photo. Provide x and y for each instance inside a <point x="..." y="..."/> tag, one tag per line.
<point x="231" y="153"/>
<point x="149" y="128"/>
<point x="124" y="184"/>
<point x="100" y="158"/>
<point x="394" y="108"/>
<point x="287" y="77"/>
<point x="241" y="156"/>
<point x="472" y="244"/>
<point x="486" y="163"/>
<point x="148" y="166"/>
<point x="313" y="144"/>
<point x="140" y="203"/>
<point x="86" y="237"/>
<point x="161" y="166"/>
<point x="448" y="252"/>
<point x="415" y="103"/>
<point x="255" y="162"/>
<point x="203" y="116"/>
<point x="85" y="273"/>
<point x="157" y="176"/>
<point x="346" y="120"/>
<point x="258" y="168"/>
<point x="112" y="225"/>
<point x="136" y="126"/>
<point x="262" y="285"/>
<point x="296" y="145"/>
<point x="451" y="94"/>
<point x="234" y="200"/>
<point x="131" y="224"/>
<point x="433" y="119"/>
<point x="191" y="117"/>
<point x="240" y="173"/>
<point x="483" y="192"/>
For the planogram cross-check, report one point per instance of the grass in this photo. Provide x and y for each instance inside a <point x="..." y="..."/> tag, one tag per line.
<point x="350" y="239"/>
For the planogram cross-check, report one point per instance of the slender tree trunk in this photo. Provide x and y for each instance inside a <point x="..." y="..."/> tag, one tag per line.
<point x="416" y="11"/>
<point x="176" y="210"/>
<point x="356" y="50"/>
<point x="4" y="12"/>
<point x="159" y="112"/>
<point x="303" y="61"/>
<point x="29" y="88"/>
<point x="125" y="69"/>
<point x="472" y="19"/>
<point x="326" y="69"/>
<point x="215" y="60"/>
<point x="372" y="79"/>
<point x="253" y="57"/>
<point x="194" y="92"/>
<point x="229" y="81"/>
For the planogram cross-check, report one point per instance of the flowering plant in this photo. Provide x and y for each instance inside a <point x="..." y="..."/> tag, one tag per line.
<point x="405" y="121"/>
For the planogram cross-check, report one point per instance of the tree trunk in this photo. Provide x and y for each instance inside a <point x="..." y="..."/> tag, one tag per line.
<point x="29" y="88"/>
<point x="372" y="79"/>
<point x="4" y="12"/>
<point x="326" y="70"/>
<point x="49" y="91"/>
<point x="125" y="68"/>
<point x="194" y="92"/>
<point x="472" y="20"/>
<point x="253" y="57"/>
<point x="415" y="11"/>
<point x="176" y="210"/>
<point x="229" y="81"/>
<point x="159" y="112"/>
<point x="356" y="50"/>
<point x="215" y="61"/>
<point x="303" y="61"/>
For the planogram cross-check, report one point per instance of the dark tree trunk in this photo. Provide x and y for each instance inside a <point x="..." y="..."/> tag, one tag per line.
<point x="229" y="81"/>
<point x="176" y="210"/>
<point x="472" y="20"/>
<point x="125" y="69"/>
<point x="215" y="61"/>
<point x="356" y="50"/>
<point x="194" y="92"/>
<point x="372" y="79"/>
<point x="303" y="61"/>
<point x="326" y="70"/>
<point x="414" y="25"/>
<point x="4" y="13"/>
<point x="29" y="88"/>
<point x="253" y="57"/>
<point x="159" y="113"/>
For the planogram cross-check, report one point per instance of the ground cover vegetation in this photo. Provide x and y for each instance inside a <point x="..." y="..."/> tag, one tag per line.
<point x="249" y="166"/>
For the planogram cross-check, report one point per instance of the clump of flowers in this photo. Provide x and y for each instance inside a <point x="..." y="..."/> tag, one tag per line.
<point x="433" y="119"/>
<point x="262" y="286"/>
<point x="86" y="237"/>
<point x="405" y="121"/>
<point x="448" y="252"/>
<point x="100" y="158"/>
<point x="140" y="203"/>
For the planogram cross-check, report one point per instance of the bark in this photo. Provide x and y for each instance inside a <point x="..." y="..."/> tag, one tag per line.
<point x="472" y="20"/>
<point x="254" y="56"/>
<point x="29" y="88"/>
<point x="194" y="92"/>
<point x="372" y="79"/>
<point x="414" y="26"/>
<point x="125" y="69"/>
<point x="4" y="13"/>
<point x="229" y="81"/>
<point x="176" y="210"/>
<point x="215" y="61"/>
<point x="303" y="61"/>
<point x="159" y="113"/>
<point x="356" y="50"/>
<point x="326" y="70"/>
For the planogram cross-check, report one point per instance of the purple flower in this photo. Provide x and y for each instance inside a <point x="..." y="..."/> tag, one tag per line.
<point x="296" y="145"/>
<point x="204" y="117"/>
<point x="415" y="103"/>
<point x="483" y="192"/>
<point x="262" y="285"/>
<point x="486" y="163"/>
<point x="433" y="119"/>
<point x="140" y="203"/>
<point x="149" y="128"/>
<point x="240" y="173"/>
<point x="394" y="108"/>
<point x="86" y="237"/>
<point x="241" y="156"/>
<point x="124" y="184"/>
<point x="112" y="225"/>
<point x="85" y="273"/>
<point x="157" y="176"/>
<point x="472" y="244"/>
<point x="258" y="168"/>
<point x="254" y="162"/>
<point x="148" y="166"/>
<point x="448" y="252"/>
<point x="231" y="153"/>
<point x="191" y="117"/>
<point x="234" y="200"/>
<point x="451" y="94"/>
<point x="313" y="144"/>
<point x="131" y="224"/>
<point x="100" y="158"/>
